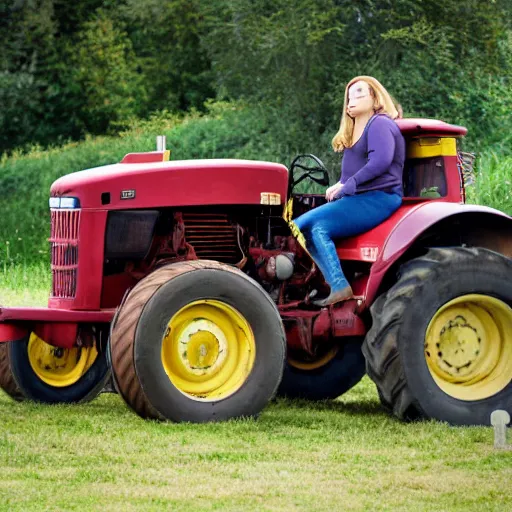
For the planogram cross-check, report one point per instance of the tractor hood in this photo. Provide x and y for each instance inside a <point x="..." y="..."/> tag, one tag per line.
<point x="175" y="183"/>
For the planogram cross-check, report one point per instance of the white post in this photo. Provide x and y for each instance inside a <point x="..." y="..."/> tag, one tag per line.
<point x="499" y="420"/>
<point x="160" y="142"/>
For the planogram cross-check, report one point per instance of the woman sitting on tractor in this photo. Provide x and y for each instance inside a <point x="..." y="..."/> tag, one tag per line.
<point x="370" y="189"/>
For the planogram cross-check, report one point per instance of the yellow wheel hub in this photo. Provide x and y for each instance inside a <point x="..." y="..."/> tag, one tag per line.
<point x="468" y="347"/>
<point x="59" y="367"/>
<point x="309" y="364"/>
<point x="208" y="350"/>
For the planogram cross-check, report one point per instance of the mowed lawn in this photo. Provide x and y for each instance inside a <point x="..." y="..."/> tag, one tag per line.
<point x="341" y="455"/>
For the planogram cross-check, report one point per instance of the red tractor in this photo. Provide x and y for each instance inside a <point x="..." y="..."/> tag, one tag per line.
<point x="185" y="279"/>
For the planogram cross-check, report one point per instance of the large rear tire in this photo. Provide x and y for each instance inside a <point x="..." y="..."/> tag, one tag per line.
<point x="327" y="378"/>
<point x="197" y="341"/>
<point x="441" y="341"/>
<point x="31" y="369"/>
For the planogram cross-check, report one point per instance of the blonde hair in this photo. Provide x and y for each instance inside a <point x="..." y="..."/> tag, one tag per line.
<point x="382" y="104"/>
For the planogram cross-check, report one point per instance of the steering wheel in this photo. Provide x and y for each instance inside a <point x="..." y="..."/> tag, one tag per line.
<point x="315" y="171"/>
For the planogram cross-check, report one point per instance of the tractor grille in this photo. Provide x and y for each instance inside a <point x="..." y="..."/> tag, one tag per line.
<point x="64" y="248"/>
<point x="212" y="236"/>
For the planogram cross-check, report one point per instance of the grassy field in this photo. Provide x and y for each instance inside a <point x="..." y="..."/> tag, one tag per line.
<point x="341" y="455"/>
<point x="493" y="185"/>
<point x="22" y="285"/>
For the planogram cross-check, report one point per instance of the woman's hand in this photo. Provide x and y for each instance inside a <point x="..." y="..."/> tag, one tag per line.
<point x="333" y="192"/>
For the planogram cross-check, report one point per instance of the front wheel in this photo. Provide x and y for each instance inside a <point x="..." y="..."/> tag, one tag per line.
<point x="197" y="341"/>
<point x="441" y="341"/>
<point x="32" y="369"/>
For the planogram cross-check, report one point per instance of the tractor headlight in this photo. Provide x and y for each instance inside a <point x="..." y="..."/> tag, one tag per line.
<point x="64" y="202"/>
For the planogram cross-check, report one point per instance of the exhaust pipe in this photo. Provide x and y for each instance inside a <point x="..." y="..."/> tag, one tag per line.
<point x="160" y="142"/>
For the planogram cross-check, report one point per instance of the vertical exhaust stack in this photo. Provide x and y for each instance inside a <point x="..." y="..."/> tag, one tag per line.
<point x="160" y="143"/>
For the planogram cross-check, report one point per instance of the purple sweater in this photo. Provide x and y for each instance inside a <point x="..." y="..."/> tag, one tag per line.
<point x="379" y="169"/>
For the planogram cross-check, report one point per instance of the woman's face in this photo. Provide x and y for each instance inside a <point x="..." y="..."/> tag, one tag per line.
<point x="360" y="99"/>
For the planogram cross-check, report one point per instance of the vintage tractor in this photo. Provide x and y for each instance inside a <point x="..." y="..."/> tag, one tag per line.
<point x="186" y="279"/>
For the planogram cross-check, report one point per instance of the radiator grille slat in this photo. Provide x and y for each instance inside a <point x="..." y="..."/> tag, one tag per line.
<point x="64" y="252"/>
<point x="213" y="236"/>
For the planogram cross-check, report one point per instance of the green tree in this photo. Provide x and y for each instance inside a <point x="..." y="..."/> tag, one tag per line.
<point x="103" y="66"/>
<point x="90" y="66"/>
<point x="27" y="36"/>
<point x="280" y="51"/>
<point x="438" y="59"/>
<point x="166" y="40"/>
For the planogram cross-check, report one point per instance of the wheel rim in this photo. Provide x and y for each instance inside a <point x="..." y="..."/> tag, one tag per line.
<point x="208" y="350"/>
<point x="59" y="367"/>
<point x="468" y="347"/>
<point x="315" y="362"/>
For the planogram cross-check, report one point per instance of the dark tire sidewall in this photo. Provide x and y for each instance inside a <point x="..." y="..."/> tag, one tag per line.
<point x="89" y="385"/>
<point x="468" y="279"/>
<point x="330" y="381"/>
<point x="250" y="300"/>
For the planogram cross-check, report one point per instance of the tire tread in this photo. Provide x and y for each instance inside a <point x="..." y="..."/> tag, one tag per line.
<point x="122" y="340"/>
<point x="7" y="381"/>
<point x="380" y="347"/>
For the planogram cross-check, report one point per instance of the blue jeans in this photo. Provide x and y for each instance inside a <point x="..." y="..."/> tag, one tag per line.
<point x="348" y="216"/>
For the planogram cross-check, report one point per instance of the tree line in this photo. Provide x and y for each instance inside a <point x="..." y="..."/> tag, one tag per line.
<point x="70" y="69"/>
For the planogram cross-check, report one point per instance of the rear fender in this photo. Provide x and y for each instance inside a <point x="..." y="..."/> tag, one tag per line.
<point x="448" y="217"/>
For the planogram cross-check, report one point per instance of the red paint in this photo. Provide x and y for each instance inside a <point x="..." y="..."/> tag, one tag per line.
<point x="57" y="334"/>
<point x="410" y="227"/>
<point x="345" y="320"/>
<point x="418" y="221"/>
<point x="305" y="330"/>
<point x="114" y="288"/>
<point x="432" y="127"/>
<point x="453" y="182"/>
<point x="350" y="248"/>
<point x="89" y="270"/>
<point x="175" y="183"/>
<point x="12" y="331"/>
<point x="359" y="285"/>
<point x="56" y="315"/>
<point x="143" y="158"/>
<point x="322" y="327"/>
<point x="299" y="334"/>
<point x="90" y="259"/>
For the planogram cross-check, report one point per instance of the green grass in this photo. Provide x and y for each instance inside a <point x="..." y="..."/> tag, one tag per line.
<point x="493" y="185"/>
<point x="22" y="285"/>
<point x="341" y="455"/>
